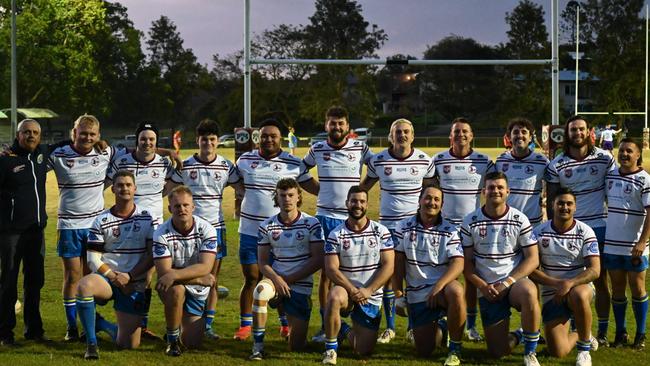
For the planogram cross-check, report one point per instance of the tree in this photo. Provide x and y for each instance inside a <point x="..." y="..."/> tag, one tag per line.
<point x="527" y="36"/>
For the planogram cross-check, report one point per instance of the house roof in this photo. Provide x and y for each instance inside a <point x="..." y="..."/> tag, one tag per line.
<point x="570" y="75"/>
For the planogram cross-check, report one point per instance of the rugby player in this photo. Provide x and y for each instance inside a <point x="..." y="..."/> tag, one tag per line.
<point x="207" y="174"/>
<point x="569" y="261"/>
<point x="359" y="259"/>
<point x="626" y="240"/>
<point x="184" y="249"/>
<point x="259" y="171"/>
<point x="461" y="172"/>
<point x="119" y="255"/>
<point x="500" y="252"/>
<point x="295" y="240"/>
<point x="400" y="170"/>
<point x="429" y="255"/>
<point x="583" y="168"/>
<point x="339" y="161"/>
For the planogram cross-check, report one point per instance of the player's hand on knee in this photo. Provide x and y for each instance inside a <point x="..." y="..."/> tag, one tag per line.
<point x="166" y="282"/>
<point x="281" y="287"/>
<point x="121" y="279"/>
<point x="562" y="290"/>
<point x="432" y="298"/>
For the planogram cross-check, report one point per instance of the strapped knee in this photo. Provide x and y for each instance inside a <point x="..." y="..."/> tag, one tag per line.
<point x="263" y="293"/>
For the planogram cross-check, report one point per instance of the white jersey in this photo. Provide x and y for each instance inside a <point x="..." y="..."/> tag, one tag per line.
<point x="607" y="135"/>
<point x="563" y="255"/>
<point x="428" y="251"/>
<point x="628" y="196"/>
<point x="150" y="178"/>
<point x="586" y="178"/>
<point x="525" y="178"/>
<point x="338" y="170"/>
<point x="461" y="180"/>
<point x="291" y="246"/>
<point x="400" y="181"/>
<point x="121" y="240"/>
<point x="260" y="175"/>
<point x="184" y="249"/>
<point x="359" y="253"/>
<point x="81" y="184"/>
<point x="207" y="180"/>
<point x="497" y="242"/>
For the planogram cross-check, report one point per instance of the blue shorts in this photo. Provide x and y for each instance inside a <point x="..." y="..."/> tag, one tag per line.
<point x="367" y="316"/>
<point x="328" y="224"/>
<point x="420" y="314"/>
<point x="135" y="303"/>
<point x="600" y="236"/>
<point x="298" y="305"/>
<point x="247" y="249"/>
<point x="222" y="248"/>
<point x="494" y="312"/>
<point x="608" y="145"/>
<point x="613" y="262"/>
<point x="194" y="306"/>
<point x="71" y="243"/>
<point x="552" y="311"/>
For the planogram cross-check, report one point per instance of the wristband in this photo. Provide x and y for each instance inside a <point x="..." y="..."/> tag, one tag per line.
<point x="106" y="273"/>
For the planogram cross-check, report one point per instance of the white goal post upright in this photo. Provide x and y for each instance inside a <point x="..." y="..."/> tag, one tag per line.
<point x="553" y="61"/>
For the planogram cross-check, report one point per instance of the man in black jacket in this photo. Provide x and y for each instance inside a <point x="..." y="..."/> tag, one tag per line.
<point x="22" y="219"/>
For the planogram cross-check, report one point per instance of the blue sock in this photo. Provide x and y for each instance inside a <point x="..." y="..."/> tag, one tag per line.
<point x="455" y="346"/>
<point x="640" y="309"/>
<point x="209" y="318"/>
<point x="70" y="306"/>
<point x="332" y="343"/>
<point x="519" y="334"/>
<point x="345" y="329"/>
<point x="583" y="345"/>
<point x="86" y="306"/>
<point x="245" y="320"/>
<point x="258" y="334"/>
<point x="102" y="324"/>
<point x="530" y="342"/>
<point x="283" y="320"/>
<point x="618" y="308"/>
<point x="471" y="318"/>
<point x="603" y="324"/>
<point x="389" y="308"/>
<point x="321" y="311"/>
<point x="173" y="334"/>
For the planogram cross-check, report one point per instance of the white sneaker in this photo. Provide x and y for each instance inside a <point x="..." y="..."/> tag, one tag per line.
<point x="531" y="360"/>
<point x="319" y="337"/>
<point x="258" y="352"/>
<point x="452" y="359"/>
<point x="473" y="335"/>
<point x="594" y="344"/>
<point x="329" y="357"/>
<point x="583" y="359"/>
<point x="410" y="337"/>
<point x="386" y="336"/>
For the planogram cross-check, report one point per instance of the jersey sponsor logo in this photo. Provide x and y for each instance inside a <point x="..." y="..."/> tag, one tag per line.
<point x="159" y="249"/>
<point x="628" y="189"/>
<point x="421" y="156"/>
<point x="194" y="174"/>
<point x="415" y="170"/>
<point x="593" y="248"/>
<point x="212" y="244"/>
<point x="568" y="173"/>
<point x="69" y="163"/>
<point x="446" y="169"/>
<point x="593" y="170"/>
<point x="326" y="156"/>
<point x="546" y="242"/>
<point x="372" y="242"/>
<point x="300" y="235"/>
<point x="136" y="227"/>
<point x="529" y="169"/>
<point x="346" y="244"/>
<point x="388" y="170"/>
<point x="254" y="164"/>
<point x="505" y="167"/>
<point x="116" y="231"/>
<point x="19" y="168"/>
<point x="482" y="231"/>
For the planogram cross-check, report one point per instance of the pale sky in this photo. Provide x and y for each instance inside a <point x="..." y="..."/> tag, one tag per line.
<point x="217" y="26"/>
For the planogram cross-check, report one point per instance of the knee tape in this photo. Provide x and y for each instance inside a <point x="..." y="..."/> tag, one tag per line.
<point x="264" y="291"/>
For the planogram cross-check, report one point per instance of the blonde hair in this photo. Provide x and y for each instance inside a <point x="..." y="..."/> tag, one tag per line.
<point x="84" y="120"/>
<point x="179" y="190"/>
<point x="394" y="124"/>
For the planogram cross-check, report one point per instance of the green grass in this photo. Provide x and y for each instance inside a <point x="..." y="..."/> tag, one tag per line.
<point x="228" y="352"/>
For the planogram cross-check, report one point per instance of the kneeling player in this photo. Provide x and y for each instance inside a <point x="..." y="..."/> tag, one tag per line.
<point x="570" y="260"/>
<point x="296" y="241"/>
<point x="429" y="254"/>
<point x="184" y="250"/>
<point x="359" y="260"/>
<point x="500" y="251"/>
<point x="119" y="255"/>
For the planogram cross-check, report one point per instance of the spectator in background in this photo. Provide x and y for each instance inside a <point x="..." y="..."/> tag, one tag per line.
<point x="293" y="141"/>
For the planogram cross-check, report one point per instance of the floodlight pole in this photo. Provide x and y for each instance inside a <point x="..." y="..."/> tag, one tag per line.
<point x="247" y="64"/>
<point x="555" y="65"/>
<point x="14" y="76"/>
<point x="577" y="56"/>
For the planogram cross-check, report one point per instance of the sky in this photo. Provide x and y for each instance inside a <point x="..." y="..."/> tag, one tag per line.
<point x="217" y="26"/>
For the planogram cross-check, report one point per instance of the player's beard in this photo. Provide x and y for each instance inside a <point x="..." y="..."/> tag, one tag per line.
<point x="335" y="139"/>
<point x="578" y="145"/>
<point x="355" y="216"/>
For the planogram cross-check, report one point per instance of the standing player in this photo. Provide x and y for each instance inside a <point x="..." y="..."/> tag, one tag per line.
<point x="80" y="172"/>
<point x="525" y="170"/>
<point x="259" y="171"/>
<point x="461" y="172"/>
<point x="207" y="175"/>
<point x="339" y="161"/>
<point x="569" y="261"/>
<point x="582" y="168"/>
<point x="500" y="252"/>
<point x="429" y="255"/>
<point x="359" y="260"/>
<point x="184" y="249"/>
<point x="607" y="138"/>
<point x="626" y="241"/>
<point x="295" y="240"/>
<point x="119" y="255"/>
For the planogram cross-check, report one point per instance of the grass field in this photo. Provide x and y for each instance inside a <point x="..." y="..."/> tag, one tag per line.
<point x="229" y="352"/>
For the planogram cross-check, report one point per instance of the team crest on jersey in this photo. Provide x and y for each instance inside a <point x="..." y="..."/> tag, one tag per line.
<point x="414" y="235"/>
<point x="136" y="226"/>
<point x="275" y="234"/>
<point x="254" y="164"/>
<point x="69" y="163"/>
<point x="446" y="169"/>
<point x="482" y="231"/>
<point x="346" y="244"/>
<point x="300" y="235"/>
<point x="116" y="231"/>
<point x="546" y="242"/>
<point x="593" y="248"/>
<point x="568" y="173"/>
<point x="529" y="169"/>
<point x="504" y="232"/>
<point x="159" y="249"/>
<point x="39" y="159"/>
<point x="194" y="174"/>
<point x="610" y="184"/>
<point x="212" y="244"/>
<point x="94" y="161"/>
<point x="573" y="246"/>
<point x="351" y="157"/>
<point x="154" y="173"/>
<point x="277" y="167"/>
<point x="472" y="169"/>
<point x="326" y="156"/>
<point x="628" y="189"/>
<point x="505" y="167"/>
<point x="415" y="170"/>
<point x="388" y="170"/>
<point x="593" y="170"/>
<point x="217" y="176"/>
<point x="372" y="242"/>
<point x="104" y="219"/>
